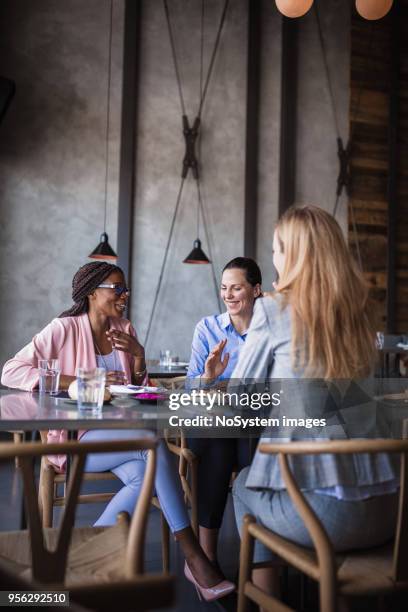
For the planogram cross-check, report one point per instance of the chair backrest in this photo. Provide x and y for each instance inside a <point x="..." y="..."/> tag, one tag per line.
<point x="49" y="566"/>
<point x="317" y="532"/>
<point x="171" y="384"/>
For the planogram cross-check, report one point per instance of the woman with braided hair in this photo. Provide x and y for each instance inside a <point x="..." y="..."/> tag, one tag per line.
<point x="91" y="333"/>
<point x="94" y="333"/>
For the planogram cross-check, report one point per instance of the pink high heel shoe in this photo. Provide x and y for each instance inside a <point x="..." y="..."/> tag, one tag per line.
<point x="223" y="588"/>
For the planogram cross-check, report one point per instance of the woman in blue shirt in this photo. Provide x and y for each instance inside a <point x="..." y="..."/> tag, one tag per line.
<point x="216" y="344"/>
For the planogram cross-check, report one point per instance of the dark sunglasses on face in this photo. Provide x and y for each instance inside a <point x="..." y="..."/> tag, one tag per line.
<point x="119" y="289"/>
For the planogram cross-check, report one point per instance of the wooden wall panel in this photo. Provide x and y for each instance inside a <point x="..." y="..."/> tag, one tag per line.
<point x="371" y="63"/>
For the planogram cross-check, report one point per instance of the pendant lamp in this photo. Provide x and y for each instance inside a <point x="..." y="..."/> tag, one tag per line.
<point x="197" y="255"/>
<point x="369" y="9"/>
<point x="293" y="8"/>
<point x="373" y="9"/>
<point x="104" y="250"/>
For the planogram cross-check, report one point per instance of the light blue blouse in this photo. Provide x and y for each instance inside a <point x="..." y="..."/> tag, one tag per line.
<point x="209" y="332"/>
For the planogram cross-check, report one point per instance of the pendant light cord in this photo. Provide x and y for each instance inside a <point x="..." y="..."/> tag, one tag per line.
<point x="166" y="253"/>
<point x="214" y="53"/>
<point x="174" y="54"/>
<point x="207" y="237"/>
<point x="336" y="122"/>
<point x="203" y="90"/>
<point x="326" y="69"/>
<point x="108" y="113"/>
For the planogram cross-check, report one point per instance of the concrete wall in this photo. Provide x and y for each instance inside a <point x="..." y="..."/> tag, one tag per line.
<point x="317" y="164"/>
<point x="52" y="154"/>
<point x="187" y="292"/>
<point x="316" y="147"/>
<point x="269" y="138"/>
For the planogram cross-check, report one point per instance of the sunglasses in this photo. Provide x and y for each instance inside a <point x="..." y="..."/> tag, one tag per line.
<point x="119" y="289"/>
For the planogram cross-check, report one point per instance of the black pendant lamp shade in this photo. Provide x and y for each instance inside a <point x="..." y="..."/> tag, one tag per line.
<point x="197" y="255"/>
<point x="103" y="250"/>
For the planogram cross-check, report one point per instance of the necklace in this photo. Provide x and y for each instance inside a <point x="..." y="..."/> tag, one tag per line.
<point x="99" y="352"/>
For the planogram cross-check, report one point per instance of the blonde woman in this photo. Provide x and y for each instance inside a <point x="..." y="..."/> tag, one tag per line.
<point x="317" y="325"/>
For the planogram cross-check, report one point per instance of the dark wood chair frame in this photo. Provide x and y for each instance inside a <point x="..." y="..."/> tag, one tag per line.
<point x="321" y="563"/>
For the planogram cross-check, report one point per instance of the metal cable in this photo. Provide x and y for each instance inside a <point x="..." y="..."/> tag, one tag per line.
<point x="214" y="53"/>
<point x="173" y="51"/>
<point x="108" y="114"/>
<point x="201" y="53"/>
<point x="335" y="117"/>
<point x="360" y="91"/>
<point x="166" y="252"/>
<point x="207" y="237"/>
<point x="353" y="221"/>
<point x="336" y="205"/>
<point x="326" y="69"/>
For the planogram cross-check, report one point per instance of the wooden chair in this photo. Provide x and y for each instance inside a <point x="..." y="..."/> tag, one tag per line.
<point x="18" y="437"/>
<point x="171" y="384"/>
<point x="101" y="567"/>
<point x="51" y="482"/>
<point x="375" y="571"/>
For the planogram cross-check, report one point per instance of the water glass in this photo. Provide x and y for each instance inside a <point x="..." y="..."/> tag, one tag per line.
<point x="165" y="357"/>
<point x="49" y="371"/>
<point x="91" y="389"/>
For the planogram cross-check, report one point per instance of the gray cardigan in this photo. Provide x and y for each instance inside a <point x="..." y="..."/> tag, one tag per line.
<point x="347" y="406"/>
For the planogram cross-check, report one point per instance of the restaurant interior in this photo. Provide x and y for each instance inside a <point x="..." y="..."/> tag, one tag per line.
<point x="169" y="137"/>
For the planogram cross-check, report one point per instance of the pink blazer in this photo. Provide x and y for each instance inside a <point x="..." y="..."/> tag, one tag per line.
<point x="69" y="340"/>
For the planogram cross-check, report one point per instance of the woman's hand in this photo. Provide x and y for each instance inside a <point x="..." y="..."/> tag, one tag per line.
<point x="116" y="377"/>
<point x="65" y="381"/>
<point x="124" y="342"/>
<point x="215" y="365"/>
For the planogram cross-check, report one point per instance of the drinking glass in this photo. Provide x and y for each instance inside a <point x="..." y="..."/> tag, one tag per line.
<point x="380" y="340"/>
<point x="91" y="389"/>
<point x="49" y="371"/>
<point x="165" y="357"/>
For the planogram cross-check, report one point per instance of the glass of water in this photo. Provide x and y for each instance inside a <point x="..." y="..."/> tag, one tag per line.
<point x="380" y="340"/>
<point x="91" y="389"/>
<point x="49" y="371"/>
<point x="165" y="357"/>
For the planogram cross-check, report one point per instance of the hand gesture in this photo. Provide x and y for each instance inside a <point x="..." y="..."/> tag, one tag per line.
<point x="124" y="342"/>
<point x="116" y="377"/>
<point x="215" y="364"/>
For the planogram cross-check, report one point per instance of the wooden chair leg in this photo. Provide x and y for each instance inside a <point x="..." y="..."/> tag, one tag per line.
<point x="46" y="494"/>
<point x="245" y="565"/>
<point x="165" y="537"/>
<point x="18" y="437"/>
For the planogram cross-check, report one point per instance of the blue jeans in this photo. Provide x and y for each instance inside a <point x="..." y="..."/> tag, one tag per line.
<point x="130" y="467"/>
<point x="349" y="524"/>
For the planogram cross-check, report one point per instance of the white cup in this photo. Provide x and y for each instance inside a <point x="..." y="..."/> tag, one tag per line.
<point x="49" y="371"/>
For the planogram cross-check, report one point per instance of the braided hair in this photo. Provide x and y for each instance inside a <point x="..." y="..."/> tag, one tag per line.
<point x="84" y="282"/>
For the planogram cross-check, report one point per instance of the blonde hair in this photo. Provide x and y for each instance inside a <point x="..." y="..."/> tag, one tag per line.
<point x="332" y="330"/>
